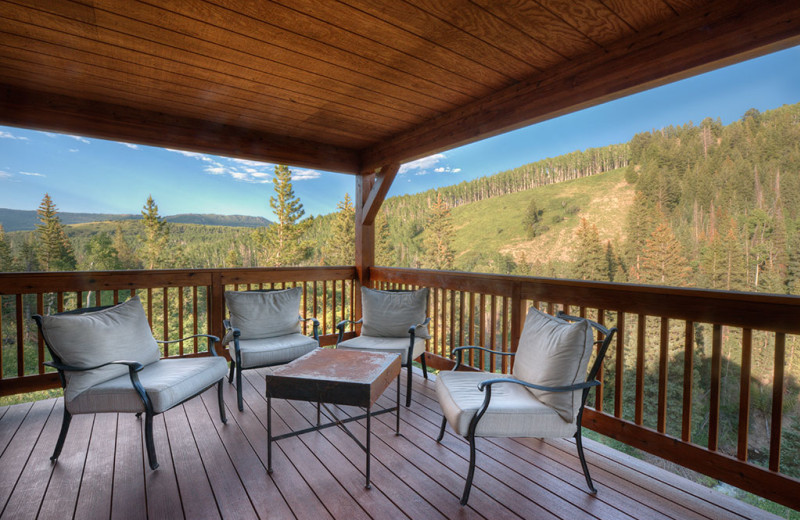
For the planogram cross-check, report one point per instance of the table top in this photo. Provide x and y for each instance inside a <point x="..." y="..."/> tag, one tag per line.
<point x="335" y="376"/>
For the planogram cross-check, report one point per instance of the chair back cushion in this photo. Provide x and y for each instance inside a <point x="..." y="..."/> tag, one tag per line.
<point x="389" y="314"/>
<point x="119" y="333"/>
<point x="265" y="314"/>
<point x="554" y="352"/>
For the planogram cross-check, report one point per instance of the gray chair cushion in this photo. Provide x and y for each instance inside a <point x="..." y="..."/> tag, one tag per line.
<point x="553" y="352"/>
<point x="273" y="351"/>
<point x="265" y="314"/>
<point x="387" y="345"/>
<point x="167" y="383"/>
<point x="513" y="410"/>
<point x="119" y="333"/>
<point x="389" y="314"/>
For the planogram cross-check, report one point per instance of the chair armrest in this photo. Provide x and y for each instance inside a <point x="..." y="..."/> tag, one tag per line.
<point x="211" y="340"/>
<point x="413" y="329"/>
<point x="570" y="388"/>
<point x="315" y="322"/>
<point x="132" y="365"/>
<point x="340" y="326"/>
<point x="458" y="353"/>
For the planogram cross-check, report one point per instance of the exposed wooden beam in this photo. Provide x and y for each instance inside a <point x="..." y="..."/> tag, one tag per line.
<point x="54" y="112"/>
<point x="722" y="33"/>
<point x="377" y="194"/>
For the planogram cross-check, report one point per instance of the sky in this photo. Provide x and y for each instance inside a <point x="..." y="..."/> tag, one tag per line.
<point x="89" y="175"/>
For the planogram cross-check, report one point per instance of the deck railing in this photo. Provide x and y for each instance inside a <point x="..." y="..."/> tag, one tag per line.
<point x="695" y="377"/>
<point x="178" y="303"/>
<point x="700" y="378"/>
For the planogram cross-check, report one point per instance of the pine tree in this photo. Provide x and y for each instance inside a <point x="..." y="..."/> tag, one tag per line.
<point x="101" y="254"/>
<point x="126" y="256"/>
<point x="439" y="232"/>
<point x="27" y="258"/>
<point x="591" y="263"/>
<point x="281" y="243"/>
<point x="156" y="234"/>
<point x="640" y="224"/>
<point x="338" y="249"/>
<point x="662" y="260"/>
<point x="6" y="258"/>
<point x="54" y="251"/>
<point x="384" y="249"/>
<point x="532" y="219"/>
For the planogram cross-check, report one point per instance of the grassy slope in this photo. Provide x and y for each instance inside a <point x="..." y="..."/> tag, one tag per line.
<point x="496" y="224"/>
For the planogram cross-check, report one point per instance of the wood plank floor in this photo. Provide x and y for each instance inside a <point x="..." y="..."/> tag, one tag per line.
<point x="211" y="470"/>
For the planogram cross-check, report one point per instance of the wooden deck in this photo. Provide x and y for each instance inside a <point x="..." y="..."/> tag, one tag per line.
<point x="211" y="470"/>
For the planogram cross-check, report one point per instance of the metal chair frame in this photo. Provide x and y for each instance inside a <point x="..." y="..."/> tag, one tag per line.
<point x="486" y="386"/>
<point x="133" y="368"/>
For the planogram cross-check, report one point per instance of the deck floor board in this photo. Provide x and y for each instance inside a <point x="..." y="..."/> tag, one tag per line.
<point x="212" y="470"/>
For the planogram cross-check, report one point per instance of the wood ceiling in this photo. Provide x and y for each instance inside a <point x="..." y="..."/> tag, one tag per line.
<point x="352" y="85"/>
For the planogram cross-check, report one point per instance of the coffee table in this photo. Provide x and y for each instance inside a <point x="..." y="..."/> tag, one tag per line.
<point x="339" y="377"/>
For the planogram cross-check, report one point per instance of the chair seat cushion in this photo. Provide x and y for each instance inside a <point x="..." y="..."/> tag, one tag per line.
<point x="513" y="410"/>
<point x="273" y="351"/>
<point x="167" y="382"/>
<point x="387" y="345"/>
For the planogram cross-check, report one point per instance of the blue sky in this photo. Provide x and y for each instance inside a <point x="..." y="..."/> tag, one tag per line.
<point x="97" y="176"/>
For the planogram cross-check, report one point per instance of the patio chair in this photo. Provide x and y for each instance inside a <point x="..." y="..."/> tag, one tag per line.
<point x="544" y="396"/>
<point x="108" y="361"/>
<point x="264" y="330"/>
<point x="392" y="321"/>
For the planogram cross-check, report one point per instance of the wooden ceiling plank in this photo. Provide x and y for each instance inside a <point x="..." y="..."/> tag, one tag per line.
<point x="541" y="25"/>
<point x="465" y="29"/>
<point x="590" y="17"/>
<point x="145" y="98"/>
<point x="641" y="14"/>
<point x="371" y="38"/>
<point x="720" y="34"/>
<point x="98" y="69"/>
<point x="44" y="111"/>
<point x="258" y="57"/>
<point x="133" y="51"/>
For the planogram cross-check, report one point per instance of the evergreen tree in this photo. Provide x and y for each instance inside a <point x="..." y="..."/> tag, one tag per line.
<point x="662" y="260"/>
<point x="156" y="234"/>
<point x="6" y="258"/>
<point x="126" y="257"/>
<point x="281" y="243"/>
<point x="384" y="249"/>
<point x="101" y="254"/>
<point x="54" y="250"/>
<point x="532" y="219"/>
<point x="27" y="259"/>
<point x="439" y="234"/>
<point x="339" y="249"/>
<point x="641" y="222"/>
<point x="591" y="262"/>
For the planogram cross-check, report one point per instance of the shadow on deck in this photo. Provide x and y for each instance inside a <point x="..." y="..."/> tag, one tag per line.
<point x="211" y="470"/>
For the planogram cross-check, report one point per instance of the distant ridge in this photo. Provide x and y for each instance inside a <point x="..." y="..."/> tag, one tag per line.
<point x="26" y="220"/>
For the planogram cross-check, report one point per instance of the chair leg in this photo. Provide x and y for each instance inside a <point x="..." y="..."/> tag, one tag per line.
<point x="441" y="430"/>
<point x="239" y="401"/>
<point x="148" y="440"/>
<point x="579" y="443"/>
<point x="471" y="472"/>
<point x="221" y="403"/>
<point x="63" y="435"/>
<point x="408" y="390"/>
<point x="230" y="374"/>
<point x="424" y="366"/>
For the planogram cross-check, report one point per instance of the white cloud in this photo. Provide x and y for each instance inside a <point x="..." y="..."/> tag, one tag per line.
<point x="305" y="175"/>
<point x="456" y="170"/>
<point x="33" y="174"/>
<point x="216" y="170"/>
<point x="248" y="162"/>
<point x="130" y="145"/>
<point x="81" y="139"/>
<point x="4" y="175"/>
<point x="73" y="150"/>
<point x="9" y="135"/>
<point x="422" y="165"/>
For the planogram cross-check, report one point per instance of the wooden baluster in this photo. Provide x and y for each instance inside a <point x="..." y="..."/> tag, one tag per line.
<point x="20" y="338"/>
<point x="640" y="345"/>
<point x="443" y="323"/>
<point x="619" y="380"/>
<point x="492" y="331"/>
<point x="744" y="393"/>
<point x="716" y="378"/>
<point x="180" y="319"/>
<point x="452" y="343"/>
<point x="663" y="365"/>
<point x="598" y="395"/>
<point x="504" y="336"/>
<point x="165" y="320"/>
<point x="194" y="317"/>
<point x="325" y="305"/>
<point x="778" y="384"/>
<point x="688" y="376"/>
<point x="461" y="306"/>
<point x="39" y="339"/>
<point x="482" y="331"/>
<point x="472" y="327"/>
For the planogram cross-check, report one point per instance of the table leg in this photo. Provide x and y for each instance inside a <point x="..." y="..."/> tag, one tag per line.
<point x="397" y="427"/>
<point x="269" y="434"/>
<point x="369" y="430"/>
